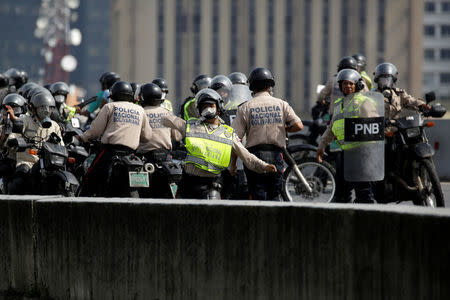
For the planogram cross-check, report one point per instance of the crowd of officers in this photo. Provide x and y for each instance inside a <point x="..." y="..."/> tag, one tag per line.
<point x="134" y="118"/>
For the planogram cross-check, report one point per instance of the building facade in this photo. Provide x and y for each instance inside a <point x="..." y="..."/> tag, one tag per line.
<point x="301" y="41"/>
<point x="436" y="66"/>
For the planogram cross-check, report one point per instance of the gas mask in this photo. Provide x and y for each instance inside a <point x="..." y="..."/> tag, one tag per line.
<point x="209" y="113"/>
<point x="43" y="114"/>
<point x="385" y="82"/>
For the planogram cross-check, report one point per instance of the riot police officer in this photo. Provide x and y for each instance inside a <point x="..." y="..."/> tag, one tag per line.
<point x="107" y="80"/>
<point x="331" y="92"/>
<point x="161" y="82"/>
<point x="222" y="85"/>
<point x="385" y="77"/>
<point x="239" y="92"/>
<point x="361" y="63"/>
<point x="121" y="124"/>
<point x="264" y="120"/>
<point x="352" y="105"/>
<point x="238" y="78"/>
<point x="63" y="113"/>
<point x="158" y="149"/>
<point x="201" y="175"/>
<point x="37" y="128"/>
<point x="188" y="108"/>
<point x="4" y="81"/>
<point x="16" y="79"/>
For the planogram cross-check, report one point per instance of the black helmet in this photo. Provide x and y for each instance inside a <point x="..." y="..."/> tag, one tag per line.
<point x="15" y="100"/>
<point x="121" y="91"/>
<point x="161" y="82"/>
<point x="24" y="89"/>
<point x="35" y="90"/>
<point x="385" y="69"/>
<point x="150" y="94"/>
<point x="15" y="78"/>
<point x="59" y="91"/>
<point x="361" y="61"/>
<point x="200" y="82"/>
<point x="4" y="80"/>
<point x="134" y="86"/>
<point x="260" y="79"/>
<point x="102" y="77"/>
<point x="109" y="79"/>
<point x="42" y="98"/>
<point x="347" y="62"/>
<point x="350" y="75"/>
<point x="24" y="76"/>
<point x="209" y="96"/>
<point x="238" y="78"/>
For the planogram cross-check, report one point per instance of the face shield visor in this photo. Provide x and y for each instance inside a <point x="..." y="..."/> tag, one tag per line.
<point x="385" y="82"/>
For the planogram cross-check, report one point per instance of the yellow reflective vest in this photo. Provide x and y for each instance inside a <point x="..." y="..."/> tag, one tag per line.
<point x="343" y="111"/>
<point x="367" y="79"/>
<point x="209" y="151"/>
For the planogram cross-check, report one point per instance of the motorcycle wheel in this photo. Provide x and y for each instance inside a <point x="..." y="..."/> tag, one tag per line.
<point x="431" y="194"/>
<point x="320" y="176"/>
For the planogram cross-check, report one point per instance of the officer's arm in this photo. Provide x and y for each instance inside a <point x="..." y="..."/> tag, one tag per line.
<point x="176" y="123"/>
<point x="295" y="127"/>
<point x="98" y="126"/>
<point x="293" y="122"/>
<point x="250" y="160"/>
<point x="327" y="138"/>
<point x="409" y="101"/>
<point x="239" y="123"/>
<point x="146" y="130"/>
<point x="326" y="91"/>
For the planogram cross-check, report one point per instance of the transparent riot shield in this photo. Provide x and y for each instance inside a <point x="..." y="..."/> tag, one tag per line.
<point x="363" y="145"/>
<point x="239" y="94"/>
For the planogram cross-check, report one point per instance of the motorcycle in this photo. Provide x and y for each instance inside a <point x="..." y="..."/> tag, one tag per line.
<point x="49" y="176"/>
<point x="410" y="170"/>
<point x="164" y="172"/>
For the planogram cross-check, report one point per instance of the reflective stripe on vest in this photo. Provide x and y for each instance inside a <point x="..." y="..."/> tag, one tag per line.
<point x="367" y="79"/>
<point x="186" y="105"/>
<point x="209" y="151"/>
<point x="351" y="110"/>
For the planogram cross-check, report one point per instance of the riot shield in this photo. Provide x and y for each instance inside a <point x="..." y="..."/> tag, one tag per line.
<point x="364" y="137"/>
<point x="239" y="94"/>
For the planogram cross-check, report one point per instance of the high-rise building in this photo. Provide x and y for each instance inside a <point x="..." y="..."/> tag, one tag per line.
<point x="301" y="41"/>
<point x="18" y="47"/>
<point x="436" y="30"/>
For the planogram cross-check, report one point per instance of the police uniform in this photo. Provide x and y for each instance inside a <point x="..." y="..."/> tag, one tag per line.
<point x="189" y="109"/>
<point x="203" y="168"/>
<point x="121" y="126"/>
<point x="399" y="100"/>
<point x="158" y="150"/>
<point x="262" y="120"/>
<point x="353" y="105"/>
<point x="32" y="130"/>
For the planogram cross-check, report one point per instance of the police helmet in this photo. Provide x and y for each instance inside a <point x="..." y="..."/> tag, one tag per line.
<point x="4" y="80"/>
<point x="161" y="82"/>
<point x="238" y="78"/>
<point x="26" y="88"/>
<point x="209" y="96"/>
<point x="15" y="78"/>
<point x="222" y="85"/>
<point x="200" y="82"/>
<point x="134" y="86"/>
<point x="42" y="98"/>
<point x="109" y="79"/>
<point x="59" y="91"/>
<point x="24" y="76"/>
<point x="150" y="94"/>
<point x="385" y="69"/>
<point x="361" y="61"/>
<point x="35" y="90"/>
<point x="15" y="100"/>
<point x="350" y="75"/>
<point x="121" y="91"/>
<point x="260" y="79"/>
<point x="347" y="62"/>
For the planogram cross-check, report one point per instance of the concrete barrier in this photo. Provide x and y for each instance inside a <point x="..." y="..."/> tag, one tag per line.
<point x="157" y="249"/>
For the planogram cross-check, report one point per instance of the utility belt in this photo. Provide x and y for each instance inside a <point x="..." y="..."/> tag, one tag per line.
<point x="158" y="155"/>
<point x="119" y="150"/>
<point x="266" y="152"/>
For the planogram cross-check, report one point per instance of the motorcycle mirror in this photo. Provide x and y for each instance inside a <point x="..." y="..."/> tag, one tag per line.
<point x="430" y="96"/>
<point x="54" y="138"/>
